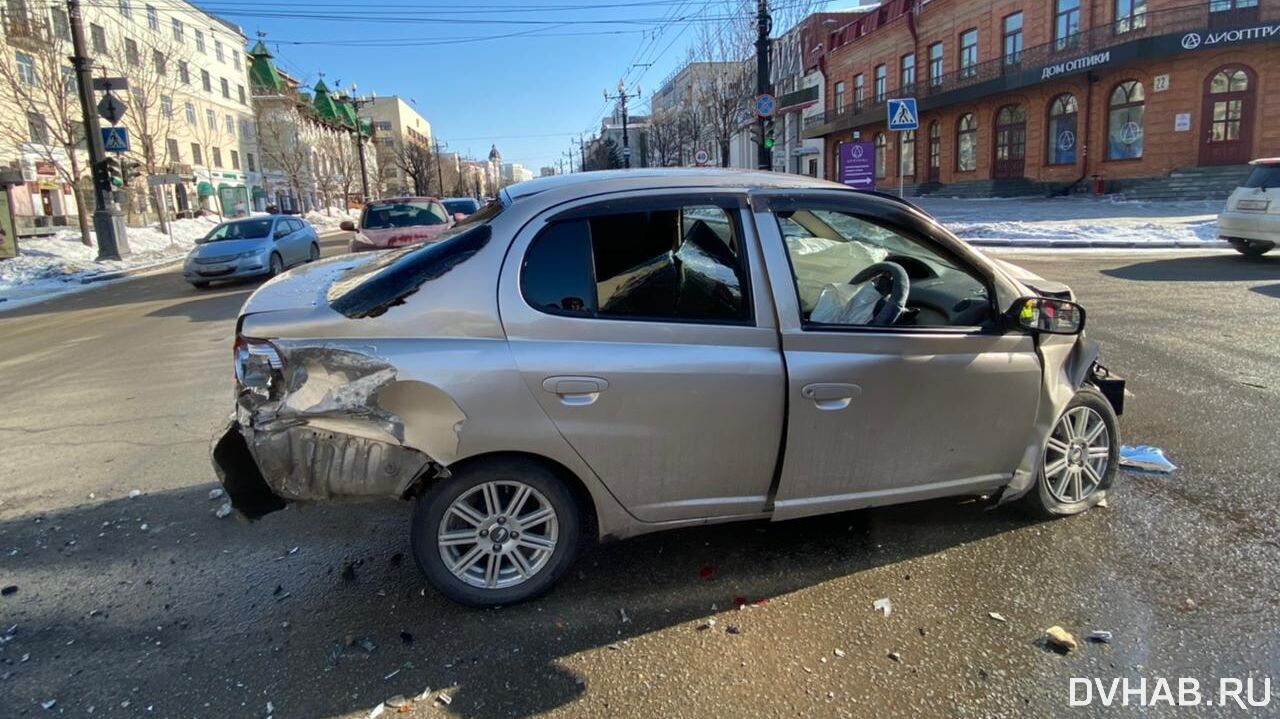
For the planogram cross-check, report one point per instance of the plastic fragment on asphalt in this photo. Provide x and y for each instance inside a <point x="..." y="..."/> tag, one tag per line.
<point x="895" y="656"/>
<point x="49" y="704"/>
<point x="622" y="615"/>
<point x="883" y="605"/>
<point x="377" y="711"/>
<point x="1060" y="638"/>
<point x="396" y="702"/>
<point x="997" y="616"/>
<point x="1145" y="458"/>
<point x="444" y="699"/>
<point x="216" y="493"/>
<point x="709" y="624"/>
<point x="224" y="511"/>
<point x="1100" y="635"/>
<point x="424" y="695"/>
<point x="838" y="652"/>
<point x="388" y="677"/>
<point x="135" y="493"/>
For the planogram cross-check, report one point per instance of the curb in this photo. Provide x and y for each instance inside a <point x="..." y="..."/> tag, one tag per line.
<point x="118" y="274"/>
<point x="1097" y="244"/>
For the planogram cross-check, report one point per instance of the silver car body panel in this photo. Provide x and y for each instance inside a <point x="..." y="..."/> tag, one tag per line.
<point x="663" y="424"/>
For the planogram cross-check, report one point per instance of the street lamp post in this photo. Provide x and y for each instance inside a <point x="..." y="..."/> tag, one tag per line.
<point x="622" y="98"/>
<point x="357" y="103"/>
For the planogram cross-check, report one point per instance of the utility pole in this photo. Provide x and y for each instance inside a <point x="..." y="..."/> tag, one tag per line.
<point x="439" y="167"/>
<point x="108" y="222"/>
<point x="582" y="148"/>
<point x="357" y="103"/>
<point x="622" y="97"/>
<point x="764" y="25"/>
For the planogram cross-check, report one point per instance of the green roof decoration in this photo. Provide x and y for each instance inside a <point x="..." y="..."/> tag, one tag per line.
<point x="262" y="71"/>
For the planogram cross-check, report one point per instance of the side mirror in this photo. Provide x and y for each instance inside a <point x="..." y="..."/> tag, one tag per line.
<point x="1048" y="315"/>
<point x="459" y="217"/>
<point x="347" y="226"/>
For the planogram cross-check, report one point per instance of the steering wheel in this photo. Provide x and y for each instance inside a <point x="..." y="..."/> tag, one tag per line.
<point x="890" y="280"/>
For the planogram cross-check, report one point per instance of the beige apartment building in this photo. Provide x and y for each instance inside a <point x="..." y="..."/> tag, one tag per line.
<point x="189" y="109"/>
<point x="396" y="125"/>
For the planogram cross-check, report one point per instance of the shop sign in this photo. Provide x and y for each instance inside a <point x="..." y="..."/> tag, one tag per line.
<point x="1182" y="122"/>
<point x="1196" y="40"/>
<point x="46" y="168"/>
<point x="857" y="167"/>
<point x="1076" y="65"/>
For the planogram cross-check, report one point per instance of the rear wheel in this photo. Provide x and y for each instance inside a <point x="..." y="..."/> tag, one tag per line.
<point x="1252" y="248"/>
<point x="499" y="533"/>
<point x="1080" y="458"/>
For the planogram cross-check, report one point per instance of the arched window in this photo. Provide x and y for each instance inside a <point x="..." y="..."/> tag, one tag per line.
<point x="1228" y="113"/>
<point x="1124" y="121"/>
<point x="881" y="147"/>
<point x="907" y="153"/>
<point x="967" y="143"/>
<point x="1062" y="130"/>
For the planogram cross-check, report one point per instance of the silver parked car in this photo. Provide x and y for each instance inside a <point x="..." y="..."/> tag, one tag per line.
<point x="251" y="247"/>
<point x="605" y="354"/>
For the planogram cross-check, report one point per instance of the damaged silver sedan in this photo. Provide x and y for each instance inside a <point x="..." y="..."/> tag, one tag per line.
<point x="602" y="355"/>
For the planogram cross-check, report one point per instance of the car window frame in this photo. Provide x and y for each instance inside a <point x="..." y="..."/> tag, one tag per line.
<point x="842" y="202"/>
<point x="734" y="205"/>
<point x="281" y="224"/>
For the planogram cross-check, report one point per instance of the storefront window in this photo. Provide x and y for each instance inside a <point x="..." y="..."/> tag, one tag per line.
<point x="1062" y="130"/>
<point x="1130" y="15"/>
<point x="967" y="143"/>
<point x="1124" y="122"/>
<point x="881" y="147"/>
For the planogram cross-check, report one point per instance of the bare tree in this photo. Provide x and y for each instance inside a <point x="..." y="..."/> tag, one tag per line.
<point x="664" y="138"/>
<point x="45" y="118"/>
<point x="280" y="145"/>
<point x="417" y="161"/>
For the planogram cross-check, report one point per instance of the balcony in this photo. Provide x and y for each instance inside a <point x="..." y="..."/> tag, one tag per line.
<point x="1060" y="58"/>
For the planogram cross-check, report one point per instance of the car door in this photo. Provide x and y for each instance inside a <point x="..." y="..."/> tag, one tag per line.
<point x="634" y="323"/>
<point x="280" y="237"/>
<point x="939" y="405"/>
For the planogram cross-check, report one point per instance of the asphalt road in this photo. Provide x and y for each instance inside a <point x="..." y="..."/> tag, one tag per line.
<point x="152" y="606"/>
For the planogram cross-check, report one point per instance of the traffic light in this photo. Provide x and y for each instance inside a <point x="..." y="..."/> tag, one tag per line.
<point x="753" y="132"/>
<point x="114" y="172"/>
<point x="768" y="134"/>
<point x="130" y="169"/>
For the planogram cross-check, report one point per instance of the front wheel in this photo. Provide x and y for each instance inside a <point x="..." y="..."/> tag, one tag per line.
<point x="496" y="534"/>
<point x="277" y="265"/>
<point x="1080" y="457"/>
<point x="314" y="253"/>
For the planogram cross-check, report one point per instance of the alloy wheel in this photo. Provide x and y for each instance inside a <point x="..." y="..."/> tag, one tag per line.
<point x="498" y="534"/>
<point x="1076" y="457"/>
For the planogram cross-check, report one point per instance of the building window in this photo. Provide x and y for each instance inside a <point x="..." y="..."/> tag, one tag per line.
<point x="908" y="74"/>
<point x="248" y="162"/>
<point x="99" y="39"/>
<point x="215" y="155"/>
<point x="184" y="72"/>
<point x="235" y="160"/>
<point x="246" y="128"/>
<point x="37" y="130"/>
<point x="166" y="106"/>
<point x="907" y="153"/>
<point x="191" y="114"/>
<point x="882" y="147"/>
<point x="935" y="150"/>
<point x="1062" y="130"/>
<point x="969" y="53"/>
<point x="211" y="118"/>
<point x="200" y="41"/>
<point x="206" y="80"/>
<point x="177" y="29"/>
<point x="967" y="143"/>
<point x="1066" y="24"/>
<point x="217" y="50"/>
<point x="1228" y="114"/>
<point x="226" y="88"/>
<point x="235" y="60"/>
<point x="125" y="9"/>
<point x="1124" y="121"/>
<point x="153" y="18"/>
<point x="1013" y="39"/>
<point x="859" y="91"/>
<point x="1130" y="15"/>
<point x="230" y="123"/>
<point x="240" y="93"/>
<point x="196" y="159"/>
<point x="839" y="97"/>
<point x="131" y="55"/>
<point x="70" y="84"/>
<point x="158" y="59"/>
<point x="935" y="64"/>
<point x="26" y="68"/>
<point x="882" y="82"/>
<point x="172" y="146"/>
<point x="61" y="27"/>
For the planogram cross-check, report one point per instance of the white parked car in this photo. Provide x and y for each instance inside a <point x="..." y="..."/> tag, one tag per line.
<point x="1251" y="221"/>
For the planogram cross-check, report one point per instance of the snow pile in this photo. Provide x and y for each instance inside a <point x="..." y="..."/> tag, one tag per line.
<point x="324" y="221"/>
<point x="1078" y="222"/>
<point x="58" y="263"/>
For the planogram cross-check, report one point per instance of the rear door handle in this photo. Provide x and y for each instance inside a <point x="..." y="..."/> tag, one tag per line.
<point x="575" y="390"/>
<point x="830" y="395"/>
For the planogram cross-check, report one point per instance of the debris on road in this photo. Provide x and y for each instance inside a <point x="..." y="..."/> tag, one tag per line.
<point x="1188" y="605"/>
<point x="1145" y="458"/>
<point x="732" y="629"/>
<point x="838" y="652"/>
<point x="424" y="695"/>
<point x="224" y="511"/>
<point x="390" y="676"/>
<point x="884" y="606"/>
<point x="444" y="699"/>
<point x="397" y="702"/>
<point x="49" y="704"/>
<point x="349" y="570"/>
<point x="709" y="624"/>
<point x="895" y="656"/>
<point x="997" y="616"/>
<point x="406" y="637"/>
<point x="8" y="590"/>
<point x="1060" y="638"/>
<point x="622" y="614"/>
<point x="367" y="645"/>
<point x="135" y="493"/>
<point x="1101" y="636"/>
<point x="377" y="711"/>
<point x="216" y="493"/>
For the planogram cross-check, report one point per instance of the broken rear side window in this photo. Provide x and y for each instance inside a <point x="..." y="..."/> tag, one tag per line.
<point x="369" y="290"/>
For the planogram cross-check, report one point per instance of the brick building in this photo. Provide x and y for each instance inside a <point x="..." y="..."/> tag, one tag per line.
<point x="1022" y="96"/>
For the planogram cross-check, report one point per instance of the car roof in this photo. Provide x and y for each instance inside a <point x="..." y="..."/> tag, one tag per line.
<point x="596" y="182"/>
<point x="406" y="198"/>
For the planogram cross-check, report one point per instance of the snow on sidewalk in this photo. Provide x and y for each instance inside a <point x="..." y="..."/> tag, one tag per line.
<point x="1078" y="222"/>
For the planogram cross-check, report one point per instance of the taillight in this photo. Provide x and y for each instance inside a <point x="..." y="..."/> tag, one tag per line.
<point x="257" y="364"/>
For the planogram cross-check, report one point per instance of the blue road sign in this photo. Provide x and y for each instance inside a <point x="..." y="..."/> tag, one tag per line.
<point x="115" y="139"/>
<point x="902" y="114"/>
<point x="766" y="105"/>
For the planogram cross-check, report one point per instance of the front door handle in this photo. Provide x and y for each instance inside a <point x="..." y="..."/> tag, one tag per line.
<point x="575" y="390"/>
<point x="830" y="395"/>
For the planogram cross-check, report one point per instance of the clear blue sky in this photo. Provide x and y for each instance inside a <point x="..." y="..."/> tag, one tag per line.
<point x="527" y="92"/>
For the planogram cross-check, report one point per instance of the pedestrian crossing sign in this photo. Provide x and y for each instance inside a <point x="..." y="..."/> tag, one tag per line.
<point x="902" y="114"/>
<point x="115" y="139"/>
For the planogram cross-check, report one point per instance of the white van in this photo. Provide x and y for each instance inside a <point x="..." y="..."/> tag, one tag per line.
<point x="1251" y="221"/>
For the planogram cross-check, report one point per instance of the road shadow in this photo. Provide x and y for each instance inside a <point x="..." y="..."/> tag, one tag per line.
<point x="1267" y="290"/>
<point x="167" y="285"/>
<point x="199" y="616"/>
<point x="1201" y="268"/>
<point x="211" y="305"/>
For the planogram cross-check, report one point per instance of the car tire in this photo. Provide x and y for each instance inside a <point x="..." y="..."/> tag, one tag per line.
<point x="440" y="515"/>
<point x="200" y="285"/>
<point x="1076" y="470"/>
<point x="314" y="253"/>
<point x="1253" y="248"/>
<point x="277" y="265"/>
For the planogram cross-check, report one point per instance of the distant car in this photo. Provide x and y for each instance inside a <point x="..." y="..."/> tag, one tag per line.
<point x="399" y="221"/>
<point x="251" y="247"/>
<point x="613" y="353"/>
<point x="1251" y="221"/>
<point x="461" y="205"/>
